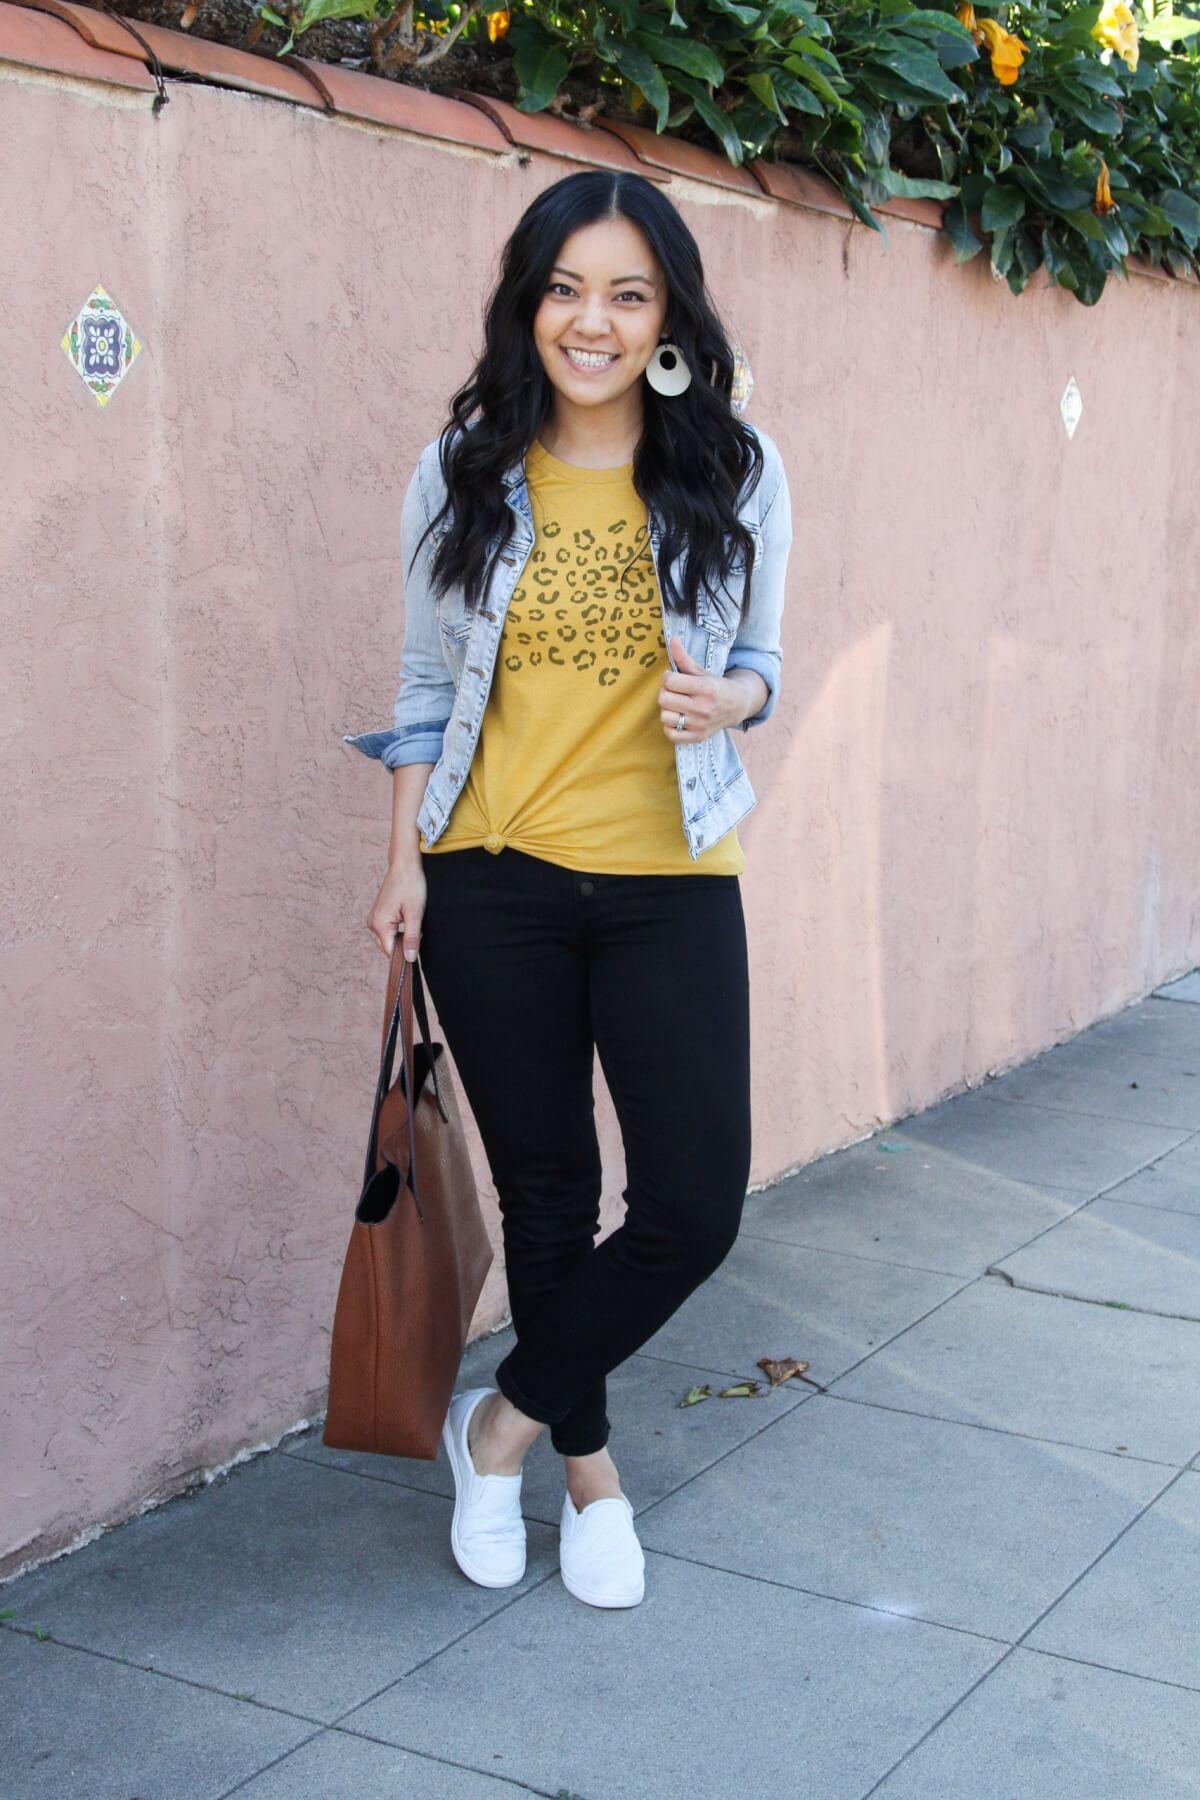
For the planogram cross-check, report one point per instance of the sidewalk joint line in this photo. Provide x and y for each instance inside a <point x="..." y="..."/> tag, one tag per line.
<point x="885" y="1262"/>
<point x="1030" y="1287"/>
<point x="1026" y="1437"/>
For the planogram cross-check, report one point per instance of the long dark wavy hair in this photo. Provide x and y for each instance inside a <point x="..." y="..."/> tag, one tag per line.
<point x="694" y="458"/>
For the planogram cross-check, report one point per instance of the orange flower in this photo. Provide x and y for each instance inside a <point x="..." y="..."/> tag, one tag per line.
<point x="1104" y="202"/>
<point x="1006" y="51"/>
<point x="497" y="24"/>
<point x="965" y="14"/>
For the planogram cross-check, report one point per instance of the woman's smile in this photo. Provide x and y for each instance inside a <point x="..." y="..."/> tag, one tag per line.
<point x="589" y="362"/>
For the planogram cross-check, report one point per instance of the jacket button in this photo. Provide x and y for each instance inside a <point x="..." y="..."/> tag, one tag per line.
<point x="691" y="781"/>
<point x="585" y="887"/>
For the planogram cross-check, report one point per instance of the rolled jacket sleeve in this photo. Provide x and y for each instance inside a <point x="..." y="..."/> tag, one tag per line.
<point x="758" y="644"/>
<point x="425" y="699"/>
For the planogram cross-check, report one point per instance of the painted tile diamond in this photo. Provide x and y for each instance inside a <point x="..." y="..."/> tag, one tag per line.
<point x="100" y="343"/>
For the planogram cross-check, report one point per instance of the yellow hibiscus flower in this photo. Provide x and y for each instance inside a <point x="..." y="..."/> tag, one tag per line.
<point x="1116" y="29"/>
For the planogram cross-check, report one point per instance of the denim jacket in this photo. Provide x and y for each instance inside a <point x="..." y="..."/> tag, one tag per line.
<point x="449" y="652"/>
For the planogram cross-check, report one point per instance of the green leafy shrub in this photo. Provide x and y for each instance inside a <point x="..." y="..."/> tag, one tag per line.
<point x="1056" y="135"/>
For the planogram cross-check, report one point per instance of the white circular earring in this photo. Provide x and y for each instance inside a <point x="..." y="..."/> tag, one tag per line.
<point x="666" y="371"/>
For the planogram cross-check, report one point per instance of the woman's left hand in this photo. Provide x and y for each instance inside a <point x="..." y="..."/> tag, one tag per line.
<point x="707" y="702"/>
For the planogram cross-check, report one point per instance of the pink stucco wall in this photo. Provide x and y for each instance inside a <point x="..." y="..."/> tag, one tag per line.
<point x="976" y="829"/>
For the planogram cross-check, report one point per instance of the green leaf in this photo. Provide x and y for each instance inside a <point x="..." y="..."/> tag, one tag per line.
<point x="1168" y="28"/>
<point x="954" y="224"/>
<point x="683" y="53"/>
<point x="800" y="65"/>
<point x="1094" y="75"/>
<point x="1153" y="222"/>
<point x="859" y="207"/>
<point x="1114" y="235"/>
<point x="922" y="17"/>
<point x="793" y="93"/>
<point x="1053" y="186"/>
<point x="1028" y="249"/>
<point x="1183" y="214"/>
<point x="718" y="122"/>
<point x="1002" y="251"/>
<point x="1002" y="206"/>
<point x="1086" y="223"/>
<point x="641" y="69"/>
<point x="919" y="68"/>
<point x="763" y="89"/>
<point x="1099" y="118"/>
<point x="1055" y="260"/>
<point x="811" y="46"/>
<point x="540" y="74"/>
<point x="316" y="11"/>
<point x="911" y="187"/>
<point x="749" y="16"/>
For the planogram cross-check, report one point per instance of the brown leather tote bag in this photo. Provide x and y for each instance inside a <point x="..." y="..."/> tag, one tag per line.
<point x="419" y="1250"/>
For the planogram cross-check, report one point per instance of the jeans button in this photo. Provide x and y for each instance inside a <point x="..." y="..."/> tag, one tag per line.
<point x="585" y="887"/>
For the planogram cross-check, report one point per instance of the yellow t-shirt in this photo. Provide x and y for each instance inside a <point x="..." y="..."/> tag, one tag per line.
<point x="572" y="763"/>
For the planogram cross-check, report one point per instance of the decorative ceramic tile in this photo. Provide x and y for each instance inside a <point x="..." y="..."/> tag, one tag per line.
<point x="743" y="380"/>
<point x="1070" y="406"/>
<point x="100" y="343"/>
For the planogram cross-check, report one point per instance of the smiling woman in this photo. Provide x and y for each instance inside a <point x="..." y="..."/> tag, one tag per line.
<point x="595" y="556"/>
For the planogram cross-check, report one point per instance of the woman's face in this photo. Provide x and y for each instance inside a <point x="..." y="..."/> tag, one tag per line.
<point x="605" y="294"/>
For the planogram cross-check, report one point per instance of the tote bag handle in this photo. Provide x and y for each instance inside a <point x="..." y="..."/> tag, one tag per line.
<point x="397" y="1025"/>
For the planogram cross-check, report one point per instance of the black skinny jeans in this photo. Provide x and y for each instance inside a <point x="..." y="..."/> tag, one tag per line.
<point x="532" y="967"/>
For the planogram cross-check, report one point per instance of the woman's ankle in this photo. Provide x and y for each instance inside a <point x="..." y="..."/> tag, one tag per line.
<point x="498" y="1452"/>
<point x="593" y="1477"/>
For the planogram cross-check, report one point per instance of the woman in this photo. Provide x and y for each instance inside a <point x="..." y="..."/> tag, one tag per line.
<point x="594" y="583"/>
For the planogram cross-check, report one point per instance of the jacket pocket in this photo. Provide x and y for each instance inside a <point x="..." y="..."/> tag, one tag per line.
<point x="454" y="617"/>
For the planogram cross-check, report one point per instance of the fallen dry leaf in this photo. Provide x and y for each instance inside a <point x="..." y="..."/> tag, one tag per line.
<point x="784" y="1369"/>
<point x="696" y="1393"/>
<point x="749" y="1390"/>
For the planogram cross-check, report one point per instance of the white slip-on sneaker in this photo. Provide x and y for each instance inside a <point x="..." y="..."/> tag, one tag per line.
<point x="487" y="1533"/>
<point x="599" y="1553"/>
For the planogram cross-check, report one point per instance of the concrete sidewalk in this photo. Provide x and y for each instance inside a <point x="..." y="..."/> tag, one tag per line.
<point x="969" y="1568"/>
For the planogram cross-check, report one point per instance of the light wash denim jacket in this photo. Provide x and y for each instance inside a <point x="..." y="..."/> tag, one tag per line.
<point x="449" y="652"/>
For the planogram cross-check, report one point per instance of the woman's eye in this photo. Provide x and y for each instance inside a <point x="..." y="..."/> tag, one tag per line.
<point x="561" y="287"/>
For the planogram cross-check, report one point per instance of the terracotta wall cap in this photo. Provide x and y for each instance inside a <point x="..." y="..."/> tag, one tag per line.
<point x="399" y="104"/>
<point x="97" y="28"/>
<point x="548" y="135"/>
<point x="38" y="40"/>
<point x="676" y="156"/>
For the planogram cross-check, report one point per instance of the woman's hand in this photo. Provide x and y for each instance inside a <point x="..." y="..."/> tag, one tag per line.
<point x="708" y="702"/>
<point x="399" y="906"/>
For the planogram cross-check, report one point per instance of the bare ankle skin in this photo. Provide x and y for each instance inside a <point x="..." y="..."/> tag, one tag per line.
<point x="498" y="1436"/>
<point x="591" y="1478"/>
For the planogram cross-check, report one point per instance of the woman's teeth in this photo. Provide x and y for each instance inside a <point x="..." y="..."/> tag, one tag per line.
<point x="584" y="359"/>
